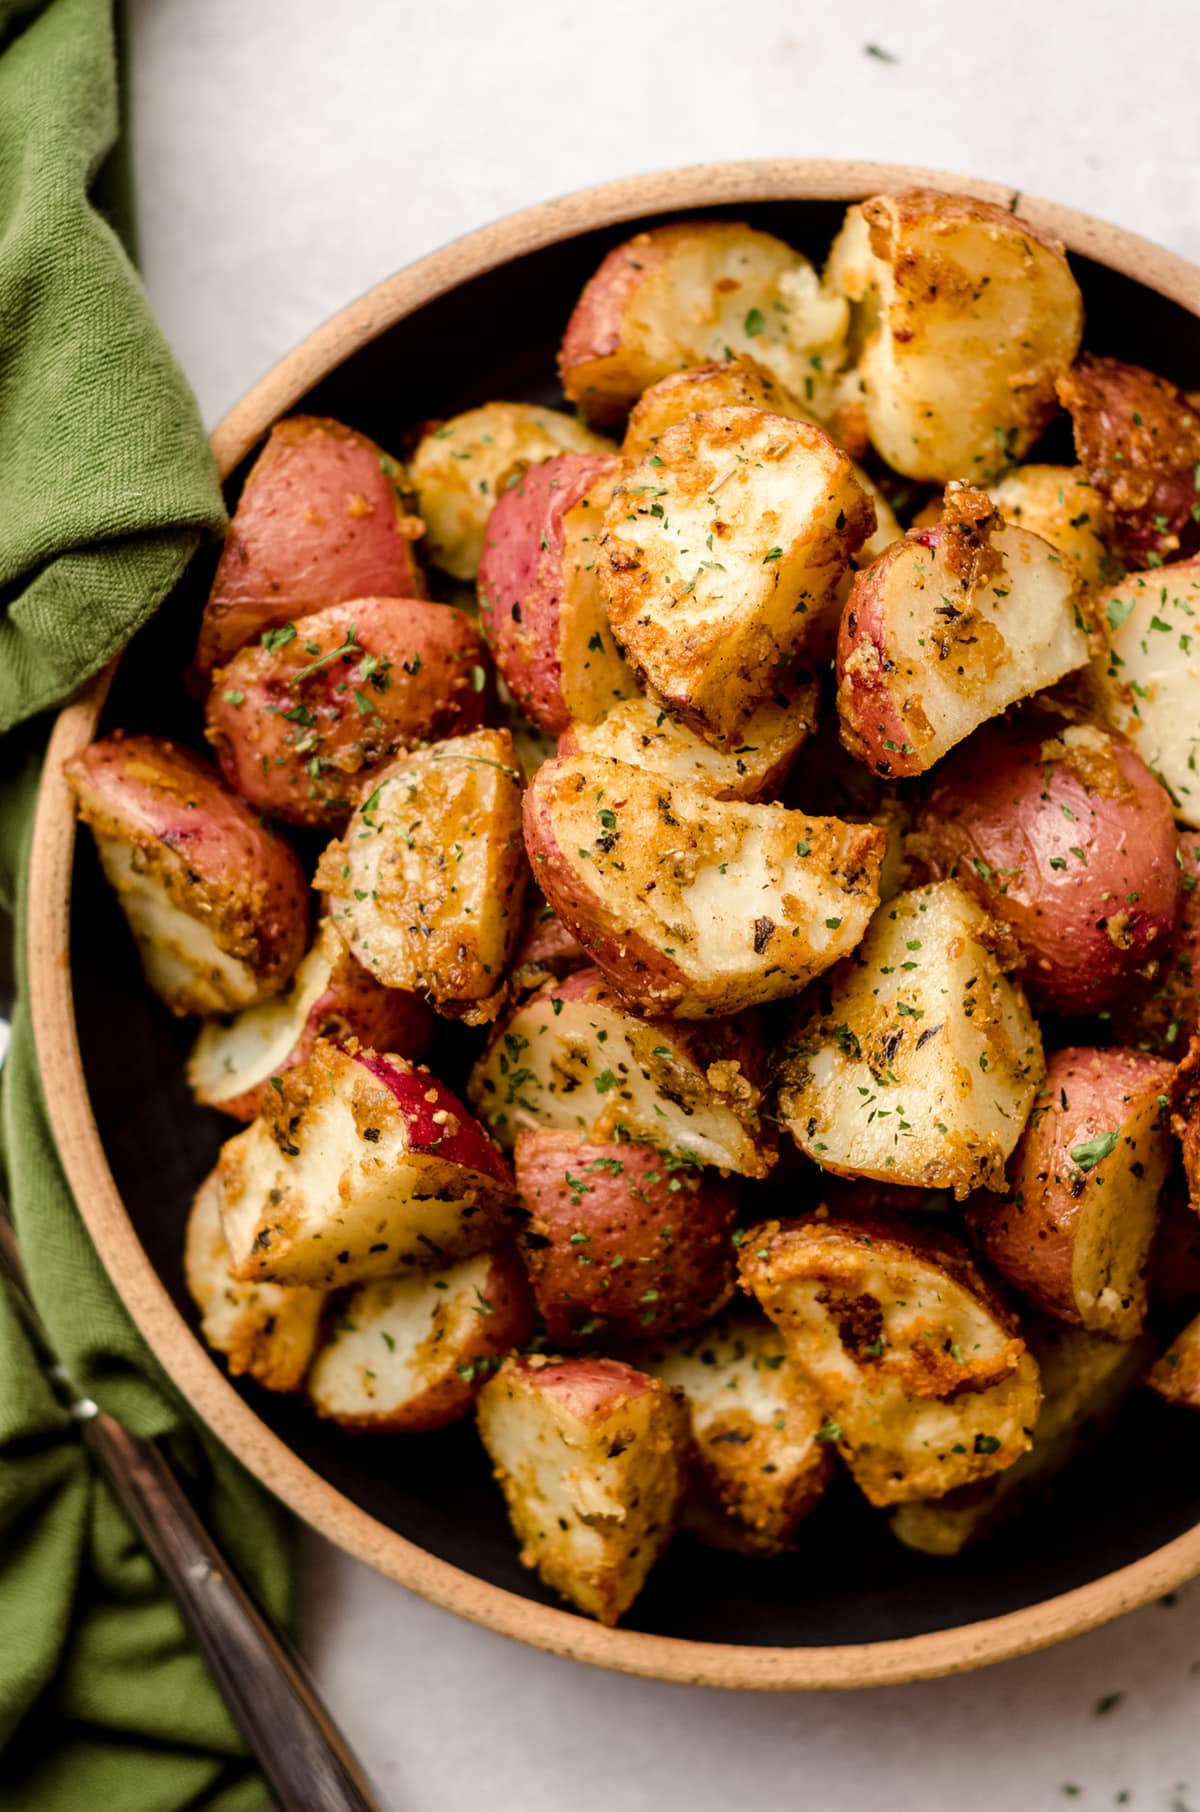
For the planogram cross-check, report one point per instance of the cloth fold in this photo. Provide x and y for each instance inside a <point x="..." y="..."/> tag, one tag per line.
<point x="107" y="487"/>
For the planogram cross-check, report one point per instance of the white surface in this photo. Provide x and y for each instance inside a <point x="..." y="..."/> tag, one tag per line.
<point x="289" y="154"/>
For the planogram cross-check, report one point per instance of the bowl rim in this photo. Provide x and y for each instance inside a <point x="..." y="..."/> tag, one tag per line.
<point x="186" y="1361"/>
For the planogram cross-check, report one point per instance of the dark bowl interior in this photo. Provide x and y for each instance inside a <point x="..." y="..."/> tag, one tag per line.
<point x="1137" y="1489"/>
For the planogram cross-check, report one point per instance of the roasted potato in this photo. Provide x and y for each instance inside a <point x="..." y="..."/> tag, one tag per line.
<point x="1138" y="440"/>
<point x="1176" y="1375"/>
<point x="1062" y="832"/>
<point x="1149" y="680"/>
<point x="1058" y="504"/>
<point x="592" y="1458"/>
<point x="1076" y="1233"/>
<point x="265" y="1331"/>
<point x="1085" y="1380"/>
<point x="331" y="995"/>
<point x="924" y="1379"/>
<point x="426" y="885"/>
<point x="301" y="719"/>
<point x="217" y="902"/>
<point x="918" y="1060"/>
<point x="948" y="628"/>
<point x="323" y="516"/>
<point x="966" y="317"/>
<point x="759" y="1464"/>
<point x="410" y="1354"/>
<point x="645" y="735"/>
<point x="463" y="466"/>
<point x="624" y="1240"/>
<point x="721" y="549"/>
<point x="541" y="597"/>
<point x="694" y="291"/>
<point x="573" y="1057"/>
<point x="546" y="950"/>
<point x="695" y="906"/>
<point x="1166" y="1015"/>
<point x="360" y="1166"/>
<point x="1185" y="1117"/>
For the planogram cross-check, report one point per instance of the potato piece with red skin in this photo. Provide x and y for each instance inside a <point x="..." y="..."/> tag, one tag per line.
<point x="1148" y="679"/>
<point x="1137" y="438"/>
<point x="1161" y="1018"/>
<point x="691" y="291"/>
<point x="573" y="1057"/>
<point x="410" y="1354"/>
<point x="695" y="906"/>
<point x="265" y="1331"/>
<point x="299" y="726"/>
<point x="540" y="599"/>
<point x="217" y="902"/>
<point x="948" y="628"/>
<point x="322" y="517"/>
<point x="1175" y="1376"/>
<point x="1185" y="1118"/>
<point x="921" y="1369"/>
<point x="331" y="995"/>
<point x="1075" y="1235"/>
<point x="592" y="1457"/>
<point x="546" y="950"/>
<point x="1062" y="832"/>
<point x="360" y="1166"/>
<point x="623" y="1241"/>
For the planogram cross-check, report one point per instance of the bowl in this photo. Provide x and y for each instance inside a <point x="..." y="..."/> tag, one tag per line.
<point x="480" y="318"/>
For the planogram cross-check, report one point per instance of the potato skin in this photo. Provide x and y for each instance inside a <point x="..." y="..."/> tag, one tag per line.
<point x="539" y="600"/>
<point x="1032" y="1238"/>
<point x="203" y="849"/>
<point x="298" y="733"/>
<point x="322" y="517"/>
<point x="1137" y="438"/>
<point x="1008" y="814"/>
<point x="622" y="1239"/>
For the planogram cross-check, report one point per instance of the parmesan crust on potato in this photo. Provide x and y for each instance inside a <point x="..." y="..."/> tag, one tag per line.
<point x="426" y="885"/>
<point x="918" y="1060"/>
<point x="692" y="905"/>
<point x="1137" y="438"/>
<point x="1149" y="679"/>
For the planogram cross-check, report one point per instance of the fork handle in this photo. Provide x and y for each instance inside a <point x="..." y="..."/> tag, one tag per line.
<point x="265" y="1685"/>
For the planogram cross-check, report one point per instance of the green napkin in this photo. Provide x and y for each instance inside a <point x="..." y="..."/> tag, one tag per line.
<point x="106" y="488"/>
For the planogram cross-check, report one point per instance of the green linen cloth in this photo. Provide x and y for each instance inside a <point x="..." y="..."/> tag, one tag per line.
<point x="106" y="488"/>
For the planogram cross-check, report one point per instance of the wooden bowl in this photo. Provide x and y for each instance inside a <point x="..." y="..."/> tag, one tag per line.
<point x="481" y="318"/>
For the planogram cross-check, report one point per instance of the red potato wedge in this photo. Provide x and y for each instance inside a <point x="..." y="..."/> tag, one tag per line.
<point x="360" y="1166"/>
<point x="1058" y="504"/>
<point x="540" y="597"/>
<point x="302" y="719"/>
<point x="331" y="995"/>
<point x="966" y="316"/>
<point x="924" y="1379"/>
<point x="1075" y="1237"/>
<point x="1138" y="440"/>
<point x="918" y="1061"/>
<point x="691" y="905"/>
<point x="591" y="1456"/>
<point x="546" y="950"/>
<point x="217" y="903"/>
<point x="759" y="1466"/>
<point x="264" y="1330"/>
<point x="1176" y="1375"/>
<point x="948" y="628"/>
<point x="410" y="1354"/>
<point x="323" y="516"/>
<point x="1163" y="1018"/>
<point x="628" y="1241"/>
<point x="690" y="292"/>
<point x="426" y="886"/>
<point x="573" y="1058"/>
<point x="642" y="733"/>
<point x="1185" y="1118"/>
<point x="721" y="550"/>
<point x="1149" y="680"/>
<point x="1085" y="1381"/>
<point x="1063" y="833"/>
<point x="463" y="466"/>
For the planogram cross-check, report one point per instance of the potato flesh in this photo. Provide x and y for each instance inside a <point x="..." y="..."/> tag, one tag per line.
<point x="461" y="467"/>
<point x="722" y="551"/>
<point x="263" y="1329"/>
<point x="593" y="675"/>
<point x="1176" y="1376"/>
<point x="1149" y="682"/>
<point x="924" y="1069"/>
<point x="228" y="1060"/>
<point x="591" y="1068"/>
<point x="1058" y="503"/>
<point x="426" y="885"/>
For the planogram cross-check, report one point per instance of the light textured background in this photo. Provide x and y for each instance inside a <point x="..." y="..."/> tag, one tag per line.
<point x="290" y="153"/>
